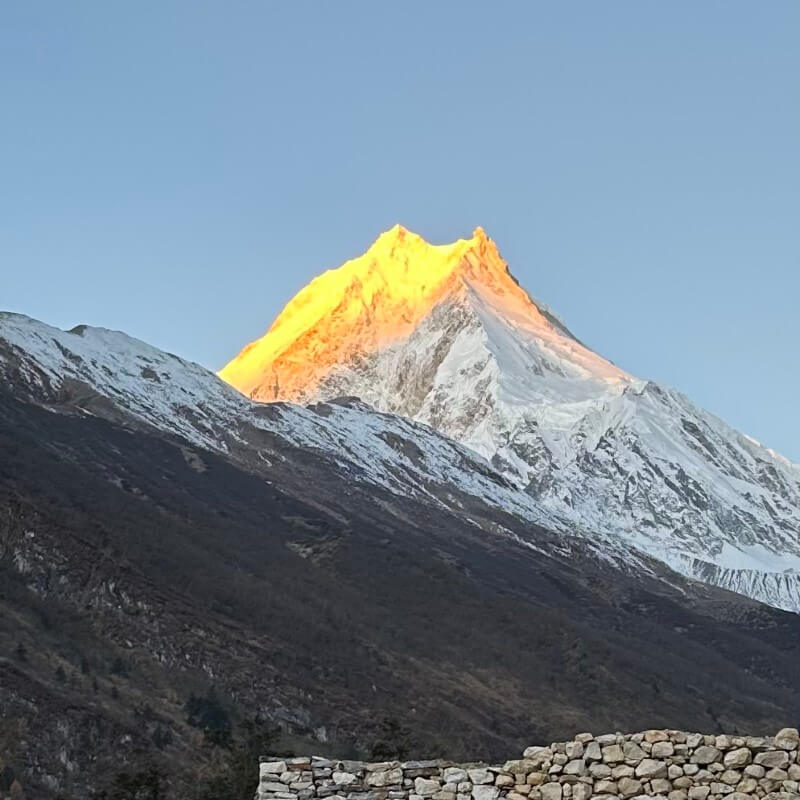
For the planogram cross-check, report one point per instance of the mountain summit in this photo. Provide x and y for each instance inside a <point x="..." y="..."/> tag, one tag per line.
<point x="371" y="305"/>
<point x="443" y="334"/>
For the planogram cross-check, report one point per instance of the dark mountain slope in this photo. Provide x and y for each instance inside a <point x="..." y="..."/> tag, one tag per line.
<point x="136" y="570"/>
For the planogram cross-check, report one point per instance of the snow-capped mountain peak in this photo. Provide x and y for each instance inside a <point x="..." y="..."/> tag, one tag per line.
<point x="379" y="300"/>
<point x="445" y="335"/>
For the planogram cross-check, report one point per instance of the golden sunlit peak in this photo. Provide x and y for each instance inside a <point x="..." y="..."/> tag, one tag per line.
<point x="371" y="302"/>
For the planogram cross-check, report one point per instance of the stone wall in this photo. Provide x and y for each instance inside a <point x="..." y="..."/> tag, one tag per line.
<point x="667" y="764"/>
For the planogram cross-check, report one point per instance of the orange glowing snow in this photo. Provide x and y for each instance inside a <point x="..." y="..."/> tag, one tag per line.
<point x="368" y="303"/>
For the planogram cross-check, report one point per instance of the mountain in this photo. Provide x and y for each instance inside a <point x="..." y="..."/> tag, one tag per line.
<point x="167" y="544"/>
<point x="445" y="335"/>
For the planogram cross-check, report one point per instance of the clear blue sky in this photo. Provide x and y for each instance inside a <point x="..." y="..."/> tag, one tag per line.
<point x="178" y="170"/>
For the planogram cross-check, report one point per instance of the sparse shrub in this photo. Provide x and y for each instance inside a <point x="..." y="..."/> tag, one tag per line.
<point x="210" y="716"/>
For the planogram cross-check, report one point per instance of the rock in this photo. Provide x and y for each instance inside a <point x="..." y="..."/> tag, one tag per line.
<point x="593" y="752"/>
<point x="612" y="754"/>
<point x="694" y="740"/>
<point x="794" y="772"/>
<point x="520" y="765"/>
<point x="699" y="792"/>
<point x="784" y="742"/>
<point x="551" y="791"/>
<point x="575" y="767"/>
<point x="706" y="754"/>
<point x="272" y="786"/>
<point x="454" y="775"/>
<point x="677" y="794"/>
<point x="737" y="758"/>
<point x="536" y="778"/>
<point x="683" y="782"/>
<point x="731" y="777"/>
<point x="628" y="787"/>
<point x="723" y="742"/>
<point x="789" y="735"/>
<point x="600" y="771"/>
<point x="516" y="796"/>
<point x="581" y="791"/>
<point x="690" y="769"/>
<point x="650" y="768"/>
<point x="755" y="771"/>
<point x="605" y="787"/>
<point x="344" y="778"/>
<point x="485" y="792"/>
<point x="633" y="753"/>
<point x="480" y="776"/>
<point x="660" y="786"/>
<point x="574" y="750"/>
<point x="747" y="785"/>
<point x="444" y="795"/>
<point x="622" y="771"/>
<point x="606" y="739"/>
<point x="777" y="774"/>
<point x="662" y="749"/>
<point x="583" y="738"/>
<point x="534" y="752"/>
<point x="427" y="787"/>
<point x="773" y="758"/>
<point x="386" y="777"/>
<point x="656" y="736"/>
<point x="756" y="743"/>
<point x="272" y="767"/>
<point x="674" y="771"/>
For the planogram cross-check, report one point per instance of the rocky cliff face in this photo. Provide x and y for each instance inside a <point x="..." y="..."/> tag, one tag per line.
<point x="444" y="335"/>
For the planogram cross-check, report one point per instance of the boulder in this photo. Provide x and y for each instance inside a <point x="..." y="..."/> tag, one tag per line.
<point x="633" y="753"/>
<point x="485" y="792"/>
<point x="480" y="776"/>
<point x="575" y="767"/>
<point x="551" y="791"/>
<point x="662" y="749"/>
<point x="593" y="752"/>
<point x="660" y="786"/>
<point x="612" y="754"/>
<point x="773" y="758"/>
<point x="706" y="754"/>
<point x="628" y="787"/>
<point x="737" y="758"/>
<point x="426" y="787"/>
<point x="650" y="768"/>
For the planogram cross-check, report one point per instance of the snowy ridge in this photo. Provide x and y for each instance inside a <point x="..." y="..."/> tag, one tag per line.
<point x="184" y="399"/>
<point x="488" y="367"/>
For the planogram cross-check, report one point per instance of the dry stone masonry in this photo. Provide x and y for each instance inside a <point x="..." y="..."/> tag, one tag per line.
<point x="664" y="764"/>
